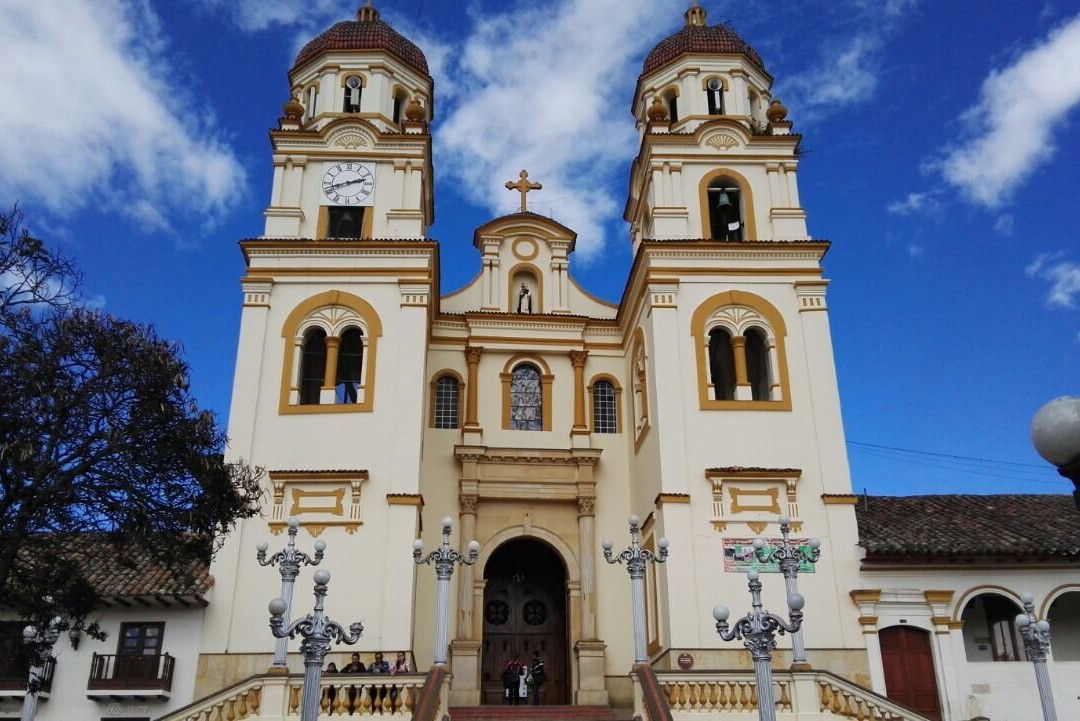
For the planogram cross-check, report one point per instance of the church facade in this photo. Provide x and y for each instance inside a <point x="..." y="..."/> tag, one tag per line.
<point x="538" y="418"/>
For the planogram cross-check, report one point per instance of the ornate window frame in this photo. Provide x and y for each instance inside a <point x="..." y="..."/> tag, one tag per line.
<point x="754" y="497"/>
<point x="620" y="425"/>
<point x="333" y="311"/>
<point x="546" y="381"/>
<point x="320" y="499"/>
<point x="746" y="193"/>
<point x="737" y="311"/>
<point x="512" y="289"/>
<point x="434" y="386"/>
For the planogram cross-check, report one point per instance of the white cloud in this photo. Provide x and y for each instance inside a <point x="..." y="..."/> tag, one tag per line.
<point x="1062" y="274"/>
<point x="96" y="116"/>
<point x="848" y="69"/>
<point x="913" y="203"/>
<point x="915" y="250"/>
<point x="548" y="89"/>
<point x="1005" y="224"/>
<point x="1012" y="125"/>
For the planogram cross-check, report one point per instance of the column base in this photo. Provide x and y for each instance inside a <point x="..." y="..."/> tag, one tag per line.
<point x="282" y="670"/>
<point x="591" y="690"/>
<point x="801" y="667"/>
<point x="472" y="435"/>
<point x="465" y="682"/>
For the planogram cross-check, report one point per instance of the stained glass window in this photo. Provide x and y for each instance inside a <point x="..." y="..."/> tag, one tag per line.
<point x="526" y="399"/>
<point x="446" y="402"/>
<point x="604" y="407"/>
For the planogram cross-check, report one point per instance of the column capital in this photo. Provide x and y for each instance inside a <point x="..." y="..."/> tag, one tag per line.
<point x="577" y="358"/>
<point x="468" y="502"/>
<point x="473" y="353"/>
<point x="333" y="341"/>
<point x="586" y="506"/>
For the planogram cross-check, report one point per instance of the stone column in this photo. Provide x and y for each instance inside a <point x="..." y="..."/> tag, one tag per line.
<point x="466" y="572"/>
<point x="742" y="379"/>
<point x="586" y="531"/>
<point x="472" y="358"/>
<point x="577" y="359"/>
<point x="328" y="395"/>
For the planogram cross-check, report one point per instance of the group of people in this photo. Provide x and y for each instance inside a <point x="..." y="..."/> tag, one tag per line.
<point x="355" y="665"/>
<point x="518" y="677"/>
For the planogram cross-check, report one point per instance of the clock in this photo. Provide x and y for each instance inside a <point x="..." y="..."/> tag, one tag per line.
<point x="348" y="183"/>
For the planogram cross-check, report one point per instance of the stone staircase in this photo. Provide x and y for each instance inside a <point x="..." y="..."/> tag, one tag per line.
<point x="531" y="713"/>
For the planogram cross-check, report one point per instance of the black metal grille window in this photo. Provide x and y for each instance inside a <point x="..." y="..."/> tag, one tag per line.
<point x="526" y="400"/>
<point x="604" y="416"/>
<point x="446" y="402"/>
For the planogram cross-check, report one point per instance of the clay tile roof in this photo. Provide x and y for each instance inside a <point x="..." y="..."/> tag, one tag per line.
<point x="365" y="35"/>
<point x="700" y="40"/>
<point x="969" y="525"/>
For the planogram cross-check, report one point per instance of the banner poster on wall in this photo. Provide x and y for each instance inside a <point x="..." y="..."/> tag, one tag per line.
<point x="739" y="555"/>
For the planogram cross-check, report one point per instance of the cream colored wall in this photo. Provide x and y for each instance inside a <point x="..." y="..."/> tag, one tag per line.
<point x="370" y="580"/>
<point x="67" y="700"/>
<point x="969" y="688"/>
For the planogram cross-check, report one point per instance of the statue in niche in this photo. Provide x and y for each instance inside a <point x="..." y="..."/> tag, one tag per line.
<point x="524" y="299"/>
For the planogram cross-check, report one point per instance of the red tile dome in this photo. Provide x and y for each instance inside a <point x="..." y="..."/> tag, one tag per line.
<point x="700" y="39"/>
<point x="367" y="32"/>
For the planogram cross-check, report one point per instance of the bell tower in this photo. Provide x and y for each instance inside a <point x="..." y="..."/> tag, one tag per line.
<point x="352" y="153"/>
<point x="718" y="159"/>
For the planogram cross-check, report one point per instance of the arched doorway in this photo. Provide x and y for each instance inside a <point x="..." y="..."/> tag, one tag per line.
<point x="525" y="609"/>
<point x="908" y="664"/>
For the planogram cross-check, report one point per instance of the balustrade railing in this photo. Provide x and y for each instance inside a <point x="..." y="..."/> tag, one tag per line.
<point x="360" y="694"/>
<point x="116" y="673"/>
<point x="15" y="675"/>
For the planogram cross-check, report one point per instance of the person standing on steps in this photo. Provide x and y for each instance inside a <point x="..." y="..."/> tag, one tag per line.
<point x="538" y="675"/>
<point x="510" y="678"/>
<point x="523" y="683"/>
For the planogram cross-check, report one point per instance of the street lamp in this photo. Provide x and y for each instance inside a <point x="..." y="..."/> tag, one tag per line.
<point x="790" y="557"/>
<point x="1055" y="433"/>
<point x="288" y="562"/>
<point x="317" y="631"/>
<point x="758" y="630"/>
<point x="1036" y="634"/>
<point x="635" y="557"/>
<point x="444" y="558"/>
<point x="41" y="644"/>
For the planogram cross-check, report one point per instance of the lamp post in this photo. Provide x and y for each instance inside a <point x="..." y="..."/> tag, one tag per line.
<point x="444" y="558"/>
<point x="42" y="644"/>
<point x="1036" y="634"/>
<point x="317" y="631"/>
<point x="790" y="557"/>
<point x="288" y="562"/>
<point x="1055" y="433"/>
<point x="758" y="630"/>
<point x="636" y="558"/>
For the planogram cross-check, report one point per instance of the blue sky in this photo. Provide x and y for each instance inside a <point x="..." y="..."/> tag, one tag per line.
<point x="942" y="162"/>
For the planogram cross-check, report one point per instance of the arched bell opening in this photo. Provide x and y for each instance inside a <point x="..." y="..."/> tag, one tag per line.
<point x="526" y="608"/>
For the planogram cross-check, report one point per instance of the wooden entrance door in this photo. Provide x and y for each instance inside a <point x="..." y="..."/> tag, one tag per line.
<point x="909" y="669"/>
<point x="525" y="610"/>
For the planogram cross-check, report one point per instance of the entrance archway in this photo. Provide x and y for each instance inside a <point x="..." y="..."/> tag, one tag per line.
<point x="525" y="609"/>
<point x="908" y="664"/>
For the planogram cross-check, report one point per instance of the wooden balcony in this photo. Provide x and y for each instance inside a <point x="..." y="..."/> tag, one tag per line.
<point x="14" y="675"/>
<point x="114" y="676"/>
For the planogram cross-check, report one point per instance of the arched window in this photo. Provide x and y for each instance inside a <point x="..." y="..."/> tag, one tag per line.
<point x="312" y="96"/>
<point x="312" y="366"/>
<point x="447" y="402"/>
<point x="757" y="364"/>
<point x="990" y="629"/>
<point x="354" y="86"/>
<point x="721" y="364"/>
<point x="714" y="94"/>
<point x="753" y="101"/>
<point x="1064" y="618"/>
<point x="526" y="399"/>
<point x="605" y="412"/>
<point x="671" y="100"/>
<point x="350" y="364"/>
<point x="725" y="210"/>
<point x="400" y="101"/>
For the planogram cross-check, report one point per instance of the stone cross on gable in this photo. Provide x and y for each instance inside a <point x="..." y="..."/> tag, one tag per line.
<point x="523" y="186"/>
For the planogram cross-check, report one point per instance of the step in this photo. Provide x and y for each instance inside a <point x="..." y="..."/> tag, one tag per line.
<point x="530" y="713"/>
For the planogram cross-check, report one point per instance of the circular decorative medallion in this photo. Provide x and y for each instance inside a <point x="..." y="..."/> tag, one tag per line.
<point x="525" y="249"/>
<point x="534" y="612"/>
<point x="686" y="661"/>
<point x="496" y="612"/>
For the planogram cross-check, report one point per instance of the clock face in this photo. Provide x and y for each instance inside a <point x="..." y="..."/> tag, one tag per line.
<point x="348" y="183"/>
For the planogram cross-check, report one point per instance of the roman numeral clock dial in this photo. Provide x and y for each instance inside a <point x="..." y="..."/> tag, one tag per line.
<point x="349" y="183"/>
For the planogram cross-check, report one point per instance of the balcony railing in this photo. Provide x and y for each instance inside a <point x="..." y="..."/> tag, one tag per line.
<point x="131" y="673"/>
<point x="15" y="674"/>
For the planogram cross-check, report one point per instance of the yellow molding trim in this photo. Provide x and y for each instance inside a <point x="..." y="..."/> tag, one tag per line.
<point x="939" y="596"/>
<point x="405" y="499"/>
<point x="780" y="473"/>
<point x="839" y="499"/>
<point x="299" y="495"/>
<point x="940" y="620"/>
<point x="619" y="426"/>
<point x="865" y="595"/>
<point x="515" y="248"/>
<point x="677" y="498"/>
<point x="316" y="476"/>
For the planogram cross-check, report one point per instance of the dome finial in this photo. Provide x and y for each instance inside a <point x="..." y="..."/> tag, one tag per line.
<point x="695" y="15"/>
<point x="367" y="14"/>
